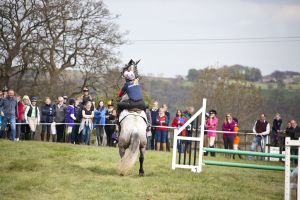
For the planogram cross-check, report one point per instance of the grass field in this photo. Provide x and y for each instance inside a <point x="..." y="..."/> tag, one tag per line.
<point x="36" y="170"/>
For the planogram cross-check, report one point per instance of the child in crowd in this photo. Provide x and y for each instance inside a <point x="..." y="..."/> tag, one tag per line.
<point x="161" y="131"/>
<point x="237" y="138"/>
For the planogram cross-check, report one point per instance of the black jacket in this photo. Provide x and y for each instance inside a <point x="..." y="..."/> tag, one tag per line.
<point x="276" y="125"/>
<point x="47" y="113"/>
<point x="78" y="113"/>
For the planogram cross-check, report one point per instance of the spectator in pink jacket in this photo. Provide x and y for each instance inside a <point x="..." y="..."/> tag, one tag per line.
<point x="228" y="126"/>
<point x="211" y="125"/>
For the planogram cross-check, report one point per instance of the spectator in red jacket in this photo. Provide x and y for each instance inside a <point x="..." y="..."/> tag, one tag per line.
<point x="162" y="130"/>
<point x="178" y="122"/>
<point x="22" y="130"/>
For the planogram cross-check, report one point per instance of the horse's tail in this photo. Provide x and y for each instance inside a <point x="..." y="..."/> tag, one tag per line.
<point x="128" y="160"/>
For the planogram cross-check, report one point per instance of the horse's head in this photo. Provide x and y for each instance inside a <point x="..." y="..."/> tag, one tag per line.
<point x="131" y="66"/>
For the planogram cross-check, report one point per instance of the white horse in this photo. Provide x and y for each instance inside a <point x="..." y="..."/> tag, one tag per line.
<point x="132" y="139"/>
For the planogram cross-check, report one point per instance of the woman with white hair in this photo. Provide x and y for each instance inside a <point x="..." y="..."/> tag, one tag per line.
<point x="23" y="129"/>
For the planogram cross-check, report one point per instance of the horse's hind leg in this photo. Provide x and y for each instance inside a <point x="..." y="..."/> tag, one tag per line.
<point x="123" y="144"/>
<point x="142" y="151"/>
<point x="122" y="151"/>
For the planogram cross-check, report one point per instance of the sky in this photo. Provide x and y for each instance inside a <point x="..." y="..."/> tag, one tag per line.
<point x="172" y="36"/>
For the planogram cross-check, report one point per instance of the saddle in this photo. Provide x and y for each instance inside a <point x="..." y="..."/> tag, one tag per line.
<point x="136" y="110"/>
<point x="133" y="111"/>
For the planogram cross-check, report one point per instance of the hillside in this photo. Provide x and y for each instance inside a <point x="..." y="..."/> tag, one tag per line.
<point x="36" y="170"/>
<point x="279" y="95"/>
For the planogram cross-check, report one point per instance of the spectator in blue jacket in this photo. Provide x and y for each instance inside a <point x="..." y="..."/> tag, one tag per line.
<point x="99" y="121"/>
<point x="9" y="112"/>
<point x="47" y="116"/>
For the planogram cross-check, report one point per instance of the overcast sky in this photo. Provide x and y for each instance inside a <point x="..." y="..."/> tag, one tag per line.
<point x="197" y="20"/>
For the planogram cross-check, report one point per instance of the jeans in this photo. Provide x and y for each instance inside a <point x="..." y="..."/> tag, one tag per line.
<point x="86" y="135"/>
<point x="258" y="140"/>
<point x="12" y="121"/>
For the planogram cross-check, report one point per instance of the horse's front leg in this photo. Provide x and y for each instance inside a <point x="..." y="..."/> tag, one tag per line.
<point x="142" y="152"/>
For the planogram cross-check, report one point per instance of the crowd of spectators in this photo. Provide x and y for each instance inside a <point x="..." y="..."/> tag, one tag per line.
<point x="71" y="120"/>
<point x="68" y="120"/>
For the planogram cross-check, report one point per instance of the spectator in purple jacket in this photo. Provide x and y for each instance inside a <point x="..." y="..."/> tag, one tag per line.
<point x="70" y="118"/>
<point x="228" y="126"/>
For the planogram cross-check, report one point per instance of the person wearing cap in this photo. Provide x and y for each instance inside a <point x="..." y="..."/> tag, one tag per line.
<point x="32" y="116"/>
<point x="86" y="96"/>
<point x="211" y="127"/>
<point x="131" y="92"/>
<point x="9" y="112"/>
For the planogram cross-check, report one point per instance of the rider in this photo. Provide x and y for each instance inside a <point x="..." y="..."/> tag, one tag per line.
<point x="131" y="93"/>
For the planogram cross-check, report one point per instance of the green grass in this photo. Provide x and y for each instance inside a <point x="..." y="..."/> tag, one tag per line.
<point x="36" y="170"/>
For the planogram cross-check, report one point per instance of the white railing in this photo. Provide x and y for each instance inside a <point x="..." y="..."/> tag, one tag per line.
<point x="199" y="139"/>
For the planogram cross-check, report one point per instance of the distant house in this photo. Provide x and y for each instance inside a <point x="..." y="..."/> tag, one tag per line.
<point x="268" y="79"/>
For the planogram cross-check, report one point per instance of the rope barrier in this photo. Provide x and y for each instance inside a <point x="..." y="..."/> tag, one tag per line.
<point x="167" y="127"/>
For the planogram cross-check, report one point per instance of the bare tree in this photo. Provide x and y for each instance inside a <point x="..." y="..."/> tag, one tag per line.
<point x="78" y="35"/>
<point x="18" y="22"/>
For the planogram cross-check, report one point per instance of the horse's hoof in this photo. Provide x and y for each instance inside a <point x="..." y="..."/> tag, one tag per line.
<point x="141" y="173"/>
<point x="122" y="174"/>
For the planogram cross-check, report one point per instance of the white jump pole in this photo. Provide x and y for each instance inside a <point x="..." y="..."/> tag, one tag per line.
<point x="287" y="182"/>
<point x="174" y="149"/>
<point x="298" y="178"/>
<point x="200" y="139"/>
<point x="202" y="136"/>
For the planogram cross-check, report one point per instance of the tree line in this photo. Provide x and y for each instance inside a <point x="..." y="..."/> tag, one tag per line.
<point x="58" y="46"/>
